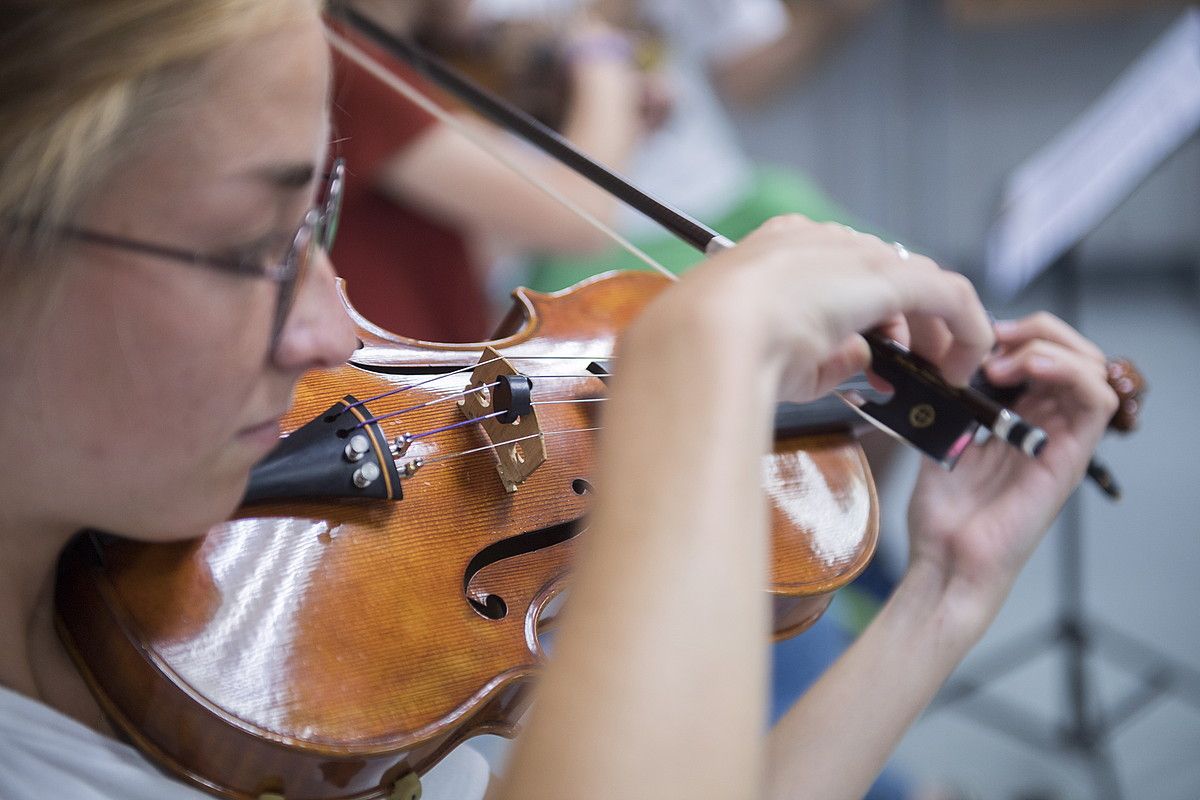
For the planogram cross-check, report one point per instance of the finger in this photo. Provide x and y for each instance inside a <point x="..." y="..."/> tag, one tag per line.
<point x="881" y="284"/>
<point x="850" y="358"/>
<point x="930" y="337"/>
<point x="1054" y="368"/>
<point x="897" y="329"/>
<point x="784" y="225"/>
<point x="944" y="319"/>
<point x="1044" y="325"/>
<point x="926" y="290"/>
<point x="1005" y="369"/>
<point x="926" y="335"/>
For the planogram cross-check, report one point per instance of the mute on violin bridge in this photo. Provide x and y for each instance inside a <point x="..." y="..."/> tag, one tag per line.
<point x="499" y="398"/>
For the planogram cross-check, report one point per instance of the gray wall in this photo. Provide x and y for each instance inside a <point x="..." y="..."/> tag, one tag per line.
<point x="914" y="122"/>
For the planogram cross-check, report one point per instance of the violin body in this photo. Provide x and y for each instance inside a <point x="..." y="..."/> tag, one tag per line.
<point x="328" y="649"/>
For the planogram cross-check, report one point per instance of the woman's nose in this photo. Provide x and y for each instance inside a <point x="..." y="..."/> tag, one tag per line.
<point x="317" y="333"/>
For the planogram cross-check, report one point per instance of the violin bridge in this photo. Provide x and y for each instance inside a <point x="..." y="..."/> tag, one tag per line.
<point x="499" y="397"/>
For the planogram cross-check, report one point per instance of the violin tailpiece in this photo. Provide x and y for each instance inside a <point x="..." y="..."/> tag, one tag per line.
<point x="340" y="453"/>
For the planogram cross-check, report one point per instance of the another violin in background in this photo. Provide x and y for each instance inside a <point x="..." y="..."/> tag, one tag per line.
<point x="527" y="59"/>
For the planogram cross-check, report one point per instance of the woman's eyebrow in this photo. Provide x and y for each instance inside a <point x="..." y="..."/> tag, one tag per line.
<point x="290" y="176"/>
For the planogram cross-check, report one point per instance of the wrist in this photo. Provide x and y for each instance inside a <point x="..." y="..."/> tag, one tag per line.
<point x="605" y="90"/>
<point x="956" y="618"/>
<point x="701" y="325"/>
<point x="599" y="45"/>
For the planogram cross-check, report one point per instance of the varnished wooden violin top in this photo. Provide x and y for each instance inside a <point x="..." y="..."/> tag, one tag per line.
<point x="326" y="649"/>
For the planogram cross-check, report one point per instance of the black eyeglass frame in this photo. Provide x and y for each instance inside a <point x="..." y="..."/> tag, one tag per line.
<point x="317" y="230"/>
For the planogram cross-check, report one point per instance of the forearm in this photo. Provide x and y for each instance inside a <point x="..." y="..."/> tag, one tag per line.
<point x="835" y="740"/>
<point x="457" y="181"/>
<point x="603" y="120"/>
<point x="665" y="626"/>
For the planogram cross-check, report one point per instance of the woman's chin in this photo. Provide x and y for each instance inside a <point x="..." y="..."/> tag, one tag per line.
<point x="192" y="520"/>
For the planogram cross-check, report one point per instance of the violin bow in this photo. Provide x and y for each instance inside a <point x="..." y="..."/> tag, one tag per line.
<point x="924" y="410"/>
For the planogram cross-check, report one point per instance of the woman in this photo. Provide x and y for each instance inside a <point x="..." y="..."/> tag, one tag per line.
<point x="165" y="287"/>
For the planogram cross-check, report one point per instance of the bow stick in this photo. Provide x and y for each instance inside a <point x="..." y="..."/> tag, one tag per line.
<point x="926" y="412"/>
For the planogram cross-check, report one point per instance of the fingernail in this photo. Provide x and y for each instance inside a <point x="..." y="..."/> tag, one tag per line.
<point x="1041" y="363"/>
<point x="1004" y="327"/>
<point x="1001" y="364"/>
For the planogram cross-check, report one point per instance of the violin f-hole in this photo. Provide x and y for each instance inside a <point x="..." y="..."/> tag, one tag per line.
<point x="493" y="564"/>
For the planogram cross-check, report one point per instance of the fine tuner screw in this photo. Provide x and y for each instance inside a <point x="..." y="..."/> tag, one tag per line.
<point x="367" y="474"/>
<point x="358" y="447"/>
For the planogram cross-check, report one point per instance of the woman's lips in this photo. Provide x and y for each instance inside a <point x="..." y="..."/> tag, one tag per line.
<point x="265" y="434"/>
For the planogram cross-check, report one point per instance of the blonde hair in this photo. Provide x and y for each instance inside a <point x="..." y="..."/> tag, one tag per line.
<point x="79" y="78"/>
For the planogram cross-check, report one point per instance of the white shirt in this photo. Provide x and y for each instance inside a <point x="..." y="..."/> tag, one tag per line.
<point x="46" y="755"/>
<point x="694" y="161"/>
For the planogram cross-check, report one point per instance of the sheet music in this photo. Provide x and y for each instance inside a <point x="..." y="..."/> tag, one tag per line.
<point x="1072" y="184"/>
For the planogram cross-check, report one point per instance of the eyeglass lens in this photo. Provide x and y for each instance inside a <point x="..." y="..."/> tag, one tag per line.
<point x="317" y="231"/>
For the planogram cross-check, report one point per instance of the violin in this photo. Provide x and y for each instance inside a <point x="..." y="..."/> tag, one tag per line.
<point x="329" y="648"/>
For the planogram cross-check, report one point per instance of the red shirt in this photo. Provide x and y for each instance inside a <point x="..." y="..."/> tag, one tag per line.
<point x="404" y="271"/>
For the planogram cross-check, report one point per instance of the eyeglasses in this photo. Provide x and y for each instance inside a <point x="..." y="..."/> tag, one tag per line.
<point x="318" y="230"/>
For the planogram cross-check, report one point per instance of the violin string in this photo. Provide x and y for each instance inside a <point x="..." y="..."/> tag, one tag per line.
<point x="412" y="436"/>
<point x="453" y="425"/>
<point x="574" y="377"/>
<point x="843" y="387"/>
<point x="567" y="358"/>
<point x="461" y="453"/>
<point x="426" y="404"/>
<point x="438" y="377"/>
<point x="472" y="367"/>
<point x="859" y="383"/>
<point x="563" y="357"/>
<point x="404" y="88"/>
<point x="482" y="448"/>
<point x="568" y="402"/>
<point x="437" y="459"/>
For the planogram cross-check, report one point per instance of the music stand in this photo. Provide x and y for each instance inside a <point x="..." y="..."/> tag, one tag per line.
<point x="1049" y="204"/>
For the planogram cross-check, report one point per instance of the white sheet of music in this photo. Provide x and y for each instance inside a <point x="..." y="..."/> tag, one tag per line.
<point x="1072" y="184"/>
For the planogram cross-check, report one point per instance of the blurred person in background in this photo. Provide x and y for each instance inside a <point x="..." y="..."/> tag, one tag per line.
<point x="424" y="203"/>
<point x="700" y="55"/>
